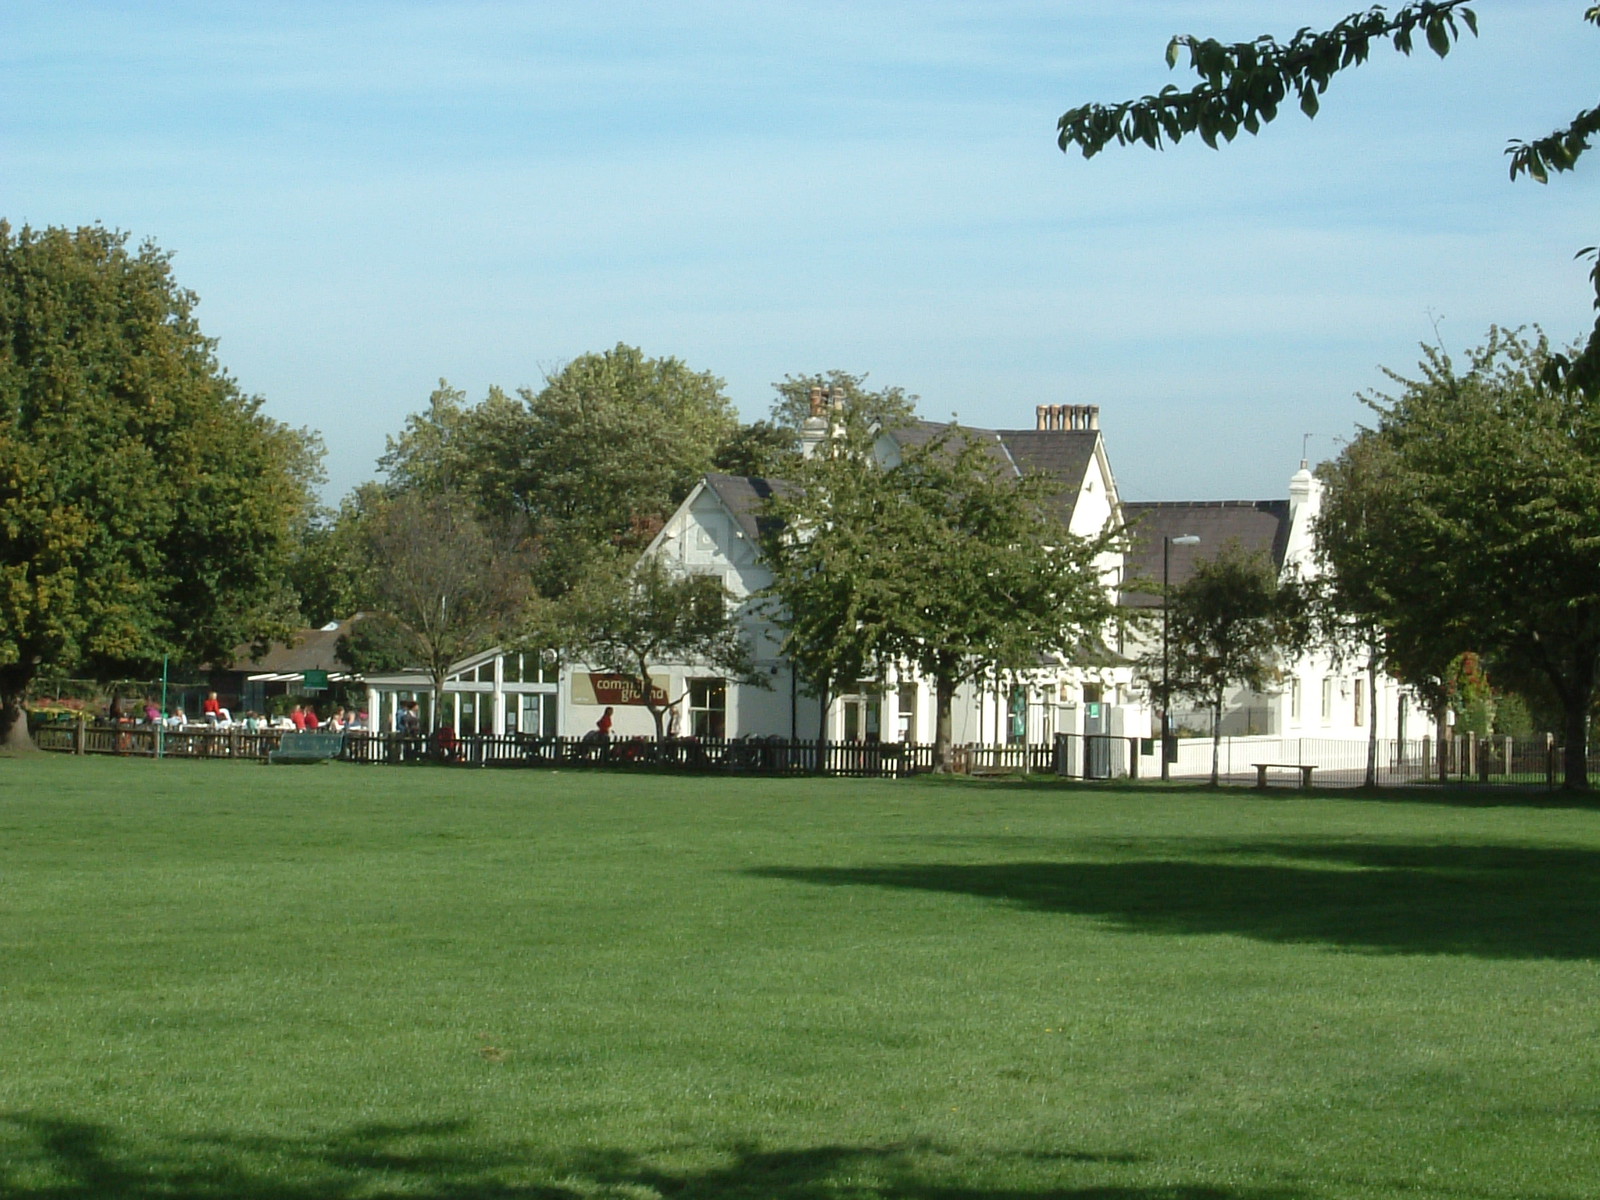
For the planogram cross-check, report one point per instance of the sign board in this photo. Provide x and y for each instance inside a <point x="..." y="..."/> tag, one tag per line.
<point x="315" y="681"/>
<point x="592" y="687"/>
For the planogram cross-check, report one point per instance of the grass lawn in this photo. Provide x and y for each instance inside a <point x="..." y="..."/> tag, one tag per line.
<point x="225" y="980"/>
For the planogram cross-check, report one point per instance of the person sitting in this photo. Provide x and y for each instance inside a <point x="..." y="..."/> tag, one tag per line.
<point x="445" y="743"/>
<point x="176" y="719"/>
<point x="212" y="711"/>
<point x="152" y="714"/>
<point x="297" y="718"/>
<point x="313" y="722"/>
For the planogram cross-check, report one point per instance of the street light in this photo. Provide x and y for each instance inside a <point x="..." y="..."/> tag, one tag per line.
<point x="1167" y="543"/>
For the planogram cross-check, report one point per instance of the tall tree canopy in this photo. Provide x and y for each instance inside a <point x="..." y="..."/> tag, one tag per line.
<point x="446" y="582"/>
<point x="594" y="460"/>
<point x="147" y="506"/>
<point x="1244" y="85"/>
<point x="1467" y="520"/>
<point x="946" y="562"/>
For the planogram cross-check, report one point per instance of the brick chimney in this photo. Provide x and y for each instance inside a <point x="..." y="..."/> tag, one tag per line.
<point x="1075" y="417"/>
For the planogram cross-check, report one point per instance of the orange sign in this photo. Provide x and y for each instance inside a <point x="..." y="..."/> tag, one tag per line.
<point x="591" y="687"/>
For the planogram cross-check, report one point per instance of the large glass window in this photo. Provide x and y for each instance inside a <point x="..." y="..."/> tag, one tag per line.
<point x="708" y="708"/>
<point x="532" y="714"/>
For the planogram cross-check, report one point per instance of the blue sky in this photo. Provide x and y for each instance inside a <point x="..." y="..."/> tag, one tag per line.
<point x="370" y="196"/>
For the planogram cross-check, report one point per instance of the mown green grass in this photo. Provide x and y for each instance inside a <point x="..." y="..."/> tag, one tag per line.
<point x="306" y="984"/>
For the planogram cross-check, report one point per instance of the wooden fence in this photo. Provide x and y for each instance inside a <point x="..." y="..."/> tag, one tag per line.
<point x="755" y="756"/>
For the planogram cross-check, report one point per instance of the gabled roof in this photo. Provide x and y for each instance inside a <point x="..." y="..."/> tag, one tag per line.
<point x="1065" y="455"/>
<point x="1255" y="526"/>
<point x="745" y="497"/>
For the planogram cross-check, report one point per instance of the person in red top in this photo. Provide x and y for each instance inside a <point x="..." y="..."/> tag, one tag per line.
<point x="212" y="707"/>
<point x="311" y="718"/>
<point x="297" y="717"/>
<point x="603" y="725"/>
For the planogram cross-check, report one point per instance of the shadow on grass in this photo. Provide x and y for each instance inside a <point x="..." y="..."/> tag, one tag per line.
<point x="1455" y="795"/>
<point x="47" y="1158"/>
<point x="1410" y="898"/>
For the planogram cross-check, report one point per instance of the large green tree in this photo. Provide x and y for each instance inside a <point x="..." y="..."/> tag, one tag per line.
<point x="1232" y="623"/>
<point x="1480" y="530"/>
<point x="946" y="562"/>
<point x="446" y="582"/>
<point x="1246" y="85"/>
<point x="594" y="460"/>
<point x="1365" y="554"/>
<point x="147" y="505"/>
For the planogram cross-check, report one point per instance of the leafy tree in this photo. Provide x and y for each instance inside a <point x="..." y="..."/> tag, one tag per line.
<point x="760" y="448"/>
<point x="1230" y="624"/>
<point x="447" y="582"/>
<point x="947" y="562"/>
<point x="1480" y="532"/>
<point x="1245" y="85"/>
<point x="331" y="572"/>
<point x="889" y="407"/>
<point x="630" y="620"/>
<point x="593" y="461"/>
<point x="1359" y="535"/>
<point x="147" y="506"/>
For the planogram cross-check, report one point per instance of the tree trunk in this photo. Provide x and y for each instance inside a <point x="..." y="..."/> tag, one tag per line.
<point x="1440" y="730"/>
<point x="14" y="722"/>
<point x="1371" y="779"/>
<point x="1216" y="740"/>
<point x="438" y="703"/>
<point x="14" y="734"/>
<point x="658" y="715"/>
<point x="1575" y="756"/>
<point x="944" y="691"/>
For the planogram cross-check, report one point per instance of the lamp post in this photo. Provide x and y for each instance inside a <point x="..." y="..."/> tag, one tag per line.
<point x="1167" y="543"/>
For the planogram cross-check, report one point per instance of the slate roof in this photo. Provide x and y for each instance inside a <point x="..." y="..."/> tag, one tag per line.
<point x="745" y="496"/>
<point x="1064" y="454"/>
<point x="1258" y="526"/>
<point x="307" y="650"/>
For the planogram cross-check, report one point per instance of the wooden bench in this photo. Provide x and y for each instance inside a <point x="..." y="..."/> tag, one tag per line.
<point x="1263" y="768"/>
<point x="307" y="747"/>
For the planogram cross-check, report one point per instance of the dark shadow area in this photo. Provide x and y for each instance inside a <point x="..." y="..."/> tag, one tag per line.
<point x="1454" y="795"/>
<point x="1406" y="898"/>
<point x="443" y="1161"/>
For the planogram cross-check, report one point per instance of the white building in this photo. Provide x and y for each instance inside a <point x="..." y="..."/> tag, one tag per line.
<point x="716" y="531"/>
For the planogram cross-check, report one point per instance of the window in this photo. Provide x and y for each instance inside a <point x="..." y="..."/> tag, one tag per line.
<point x="863" y="719"/>
<point x="1327" y="701"/>
<point x="535" y="714"/>
<point x="708" y="708"/>
<point x="1360" y="714"/>
<point x="1294" y="699"/>
<point x="908" y="712"/>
